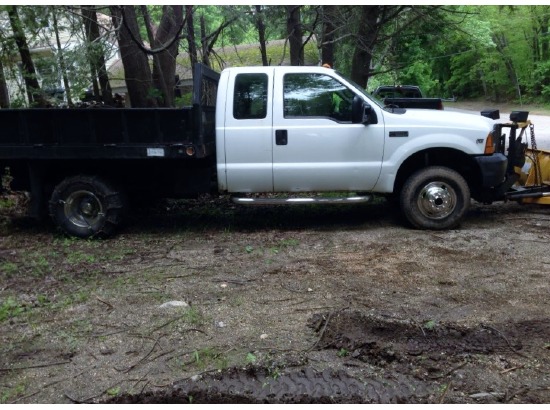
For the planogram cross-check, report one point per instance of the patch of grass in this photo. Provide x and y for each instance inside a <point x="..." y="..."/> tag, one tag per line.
<point x="7" y="203"/>
<point x="78" y="257"/>
<point x="113" y="391"/>
<point x="11" y="393"/>
<point x="10" y="308"/>
<point x="40" y="265"/>
<point x="209" y="356"/>
<point x="9" y="268"/>
<point x="251" y="358"/>
<point x="193" y="316"/>
<point x="343" y="352"/>
<point x="429" y="325"/>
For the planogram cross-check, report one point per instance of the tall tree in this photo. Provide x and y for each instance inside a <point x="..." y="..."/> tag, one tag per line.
<point x="96" y="56"/>
<point x="190" y="35"/>
<point x="61" y="59"/>
<point x="4" y="93"/>
<point x="34" y="93"/>
<point x="169" y="29"/>
<point x="136" y="65"/>
<point x="260" y="26"/>
<point x="328" y="34"/>
<point x="295" y="34"/>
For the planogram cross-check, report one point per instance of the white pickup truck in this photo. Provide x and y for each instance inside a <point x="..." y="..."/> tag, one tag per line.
<point x="269" y="130"/>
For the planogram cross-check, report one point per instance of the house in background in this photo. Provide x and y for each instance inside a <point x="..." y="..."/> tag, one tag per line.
<point x="233" y="56"/>
<point x="45" y="51"/>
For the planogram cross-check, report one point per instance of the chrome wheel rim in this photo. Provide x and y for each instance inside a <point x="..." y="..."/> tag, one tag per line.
<point x="437" y="200"/>
<point x="84" y="209"/>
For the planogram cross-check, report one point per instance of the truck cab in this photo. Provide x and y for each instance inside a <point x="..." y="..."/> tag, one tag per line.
<point x="292" y="130"/>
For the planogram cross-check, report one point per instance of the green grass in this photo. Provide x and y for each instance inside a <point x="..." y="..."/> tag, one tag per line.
<point x="208" y="357"/>
<point x="10" y="308"/>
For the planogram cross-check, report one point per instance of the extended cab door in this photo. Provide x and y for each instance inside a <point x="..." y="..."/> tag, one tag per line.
<point x="245" y="160"/>
<point x="316" y="147"/>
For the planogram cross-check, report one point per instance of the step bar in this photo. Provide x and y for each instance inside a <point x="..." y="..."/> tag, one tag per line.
<point x="302" y="201"/>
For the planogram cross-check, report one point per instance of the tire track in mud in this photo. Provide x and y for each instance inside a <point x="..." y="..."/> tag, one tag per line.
<point x="398" y="347"/>
<point x="368" y="335"/>
<point x="257" y="385"/>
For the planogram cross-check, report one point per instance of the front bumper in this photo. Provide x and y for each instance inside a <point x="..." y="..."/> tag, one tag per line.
<point x="493" y="169"/>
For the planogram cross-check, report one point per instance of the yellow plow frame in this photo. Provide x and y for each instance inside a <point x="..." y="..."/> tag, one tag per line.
<point x="533" y="184"/>
<point x="535" y="174"/>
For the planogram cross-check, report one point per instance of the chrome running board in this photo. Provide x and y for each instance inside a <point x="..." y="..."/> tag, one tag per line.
<point x="302" y="201"/>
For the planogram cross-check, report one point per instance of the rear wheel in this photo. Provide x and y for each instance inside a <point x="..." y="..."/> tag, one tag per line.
<point x="435" y="198"/>
<point x="86" y="207"/>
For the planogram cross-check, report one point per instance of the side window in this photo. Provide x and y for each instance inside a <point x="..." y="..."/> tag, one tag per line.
<point x="316" y="95"/>
<point x="250" y="97"/>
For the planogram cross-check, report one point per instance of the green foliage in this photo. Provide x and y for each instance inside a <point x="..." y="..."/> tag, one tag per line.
<point x="11" y="393"/>
<point x="496" y="52"/>
<point x="10" y="308"/>
<point x="343" y="352"/>
<point x="251" y="358"/>
<point x="429" y="325"/>
<point x="193" y="316"/>
<point x="113" y="391"/>
<point x="208" y="356"/>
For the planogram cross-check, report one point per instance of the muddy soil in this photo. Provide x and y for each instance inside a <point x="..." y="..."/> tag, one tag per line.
<point x="204" y="302"/>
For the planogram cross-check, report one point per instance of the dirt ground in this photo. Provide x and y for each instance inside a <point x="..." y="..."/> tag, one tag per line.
<point x="206" y="302"/>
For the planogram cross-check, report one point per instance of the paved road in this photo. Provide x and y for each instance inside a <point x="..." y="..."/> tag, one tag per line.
<point x="541" y="122"/>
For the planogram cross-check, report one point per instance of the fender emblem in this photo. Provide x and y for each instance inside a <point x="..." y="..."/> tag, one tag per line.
<point x="399" y="134"/>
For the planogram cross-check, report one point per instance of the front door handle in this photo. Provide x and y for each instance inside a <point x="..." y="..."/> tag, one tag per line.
<point x="281" y="137"/>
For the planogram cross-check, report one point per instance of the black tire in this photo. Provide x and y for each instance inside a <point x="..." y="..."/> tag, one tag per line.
<point x="86" y="207"/>
<point x="435" y="198"/>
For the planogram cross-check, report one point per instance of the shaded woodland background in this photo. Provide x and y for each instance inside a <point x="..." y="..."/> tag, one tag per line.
<point x="492" y="52"/>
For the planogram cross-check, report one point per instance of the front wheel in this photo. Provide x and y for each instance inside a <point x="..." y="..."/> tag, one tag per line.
<point x="435" y="198"/>
<point x="86" y="207"/>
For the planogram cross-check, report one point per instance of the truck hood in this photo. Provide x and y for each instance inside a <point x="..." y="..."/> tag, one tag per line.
<point x="443" y="119"/>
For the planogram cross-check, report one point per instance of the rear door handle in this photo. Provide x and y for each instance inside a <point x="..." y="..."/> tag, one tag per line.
<point x="281" y="137"/>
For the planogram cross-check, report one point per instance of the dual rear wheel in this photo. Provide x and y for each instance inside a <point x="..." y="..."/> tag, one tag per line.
<point x="86" y="207"/>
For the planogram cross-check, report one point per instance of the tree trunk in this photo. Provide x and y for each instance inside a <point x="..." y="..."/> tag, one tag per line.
<point x="170" y="23"/>
<point x="260" y="26"/>
<point x="327" y="40"/>
<point x="4" y="93"/>
<point x="96" y="57"/>
<point x="204" y="43"/>
<point x="136" y="64"/>
<point x="193" y="56"/>
<point x="61" y="60"/>
<point x="366" y="38"/>
<point x="158" y="75"/>
<point x="294" y="32"/>
<point x="34" y="93"/>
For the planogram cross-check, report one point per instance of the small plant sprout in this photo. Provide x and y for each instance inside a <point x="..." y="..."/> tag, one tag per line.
<point x="429" y="325"/>
<point x="251" y="358"/>
<point x="343" y="352"/>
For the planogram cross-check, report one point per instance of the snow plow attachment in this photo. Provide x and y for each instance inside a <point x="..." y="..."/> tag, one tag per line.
<point x="534" y="177"/>
<point x="529" y="166"/>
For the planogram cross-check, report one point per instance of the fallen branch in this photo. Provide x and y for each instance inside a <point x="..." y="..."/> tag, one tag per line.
<point x="25" y="397"/>
<point x="454" y="369"/>
<point x="445" y="392"/>
<point x="321" y="334"/>
<point x="142" y="359"/>
<point x="105" y="302"/>
<point x="36" y="366"/>
<point x="511" y="369"/>
<point x="506" y="340"/>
